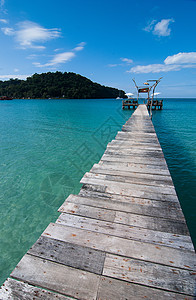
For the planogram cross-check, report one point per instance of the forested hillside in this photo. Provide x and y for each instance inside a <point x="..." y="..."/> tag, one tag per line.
<point x="57" y="85"/>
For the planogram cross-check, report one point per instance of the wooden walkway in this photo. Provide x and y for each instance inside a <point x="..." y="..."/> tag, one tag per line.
<point x="123" y="236"/>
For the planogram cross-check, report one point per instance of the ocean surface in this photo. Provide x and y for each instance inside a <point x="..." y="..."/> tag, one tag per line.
<point x="47" y="145"/>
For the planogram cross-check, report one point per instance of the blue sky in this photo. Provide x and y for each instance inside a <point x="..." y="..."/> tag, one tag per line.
<point x="110" y="42"/>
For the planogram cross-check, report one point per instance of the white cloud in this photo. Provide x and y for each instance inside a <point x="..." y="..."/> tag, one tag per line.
<point x="61" y="57"/>
<point x="127" y="60"/>
<point x="181" y="58"/>
<point x="57" y="59"/>
<point x="16" y="70"/>
<point x="28" y="34"/>
<point x="149" y="27"/>
<point x="159" y="28"/>
<point x="5" y="77"/>
<point x="171" y="63"/>
<point x="162" y="27"/>
<point x="4" y="21"/>
<point x="154" y="68"/>
<point x="80" y="46"/>
<point x="8" y="30"/>
<point x="58" y="49"/>
<point x="113" y="65"/>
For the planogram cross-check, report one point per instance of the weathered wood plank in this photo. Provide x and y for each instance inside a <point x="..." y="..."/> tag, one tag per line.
<point x="133" y="128"/>
<point x="16" y="290"/>
<point x="163" y="185"/>
<point x="128" y="232"/>
<point x="133" y="143"/>
<point x="144" y="154"/>
<point x="88" y="211"/>
<point x="134" y="149"/>
<point x="134" y="159"/>
<point x="120" y="246"/>
<point x="99" y="195"/>
<point x="160" y="209"/>
<point x="68" y="254"/>
<point x="138" y="139"/>
<point x="150" y="274"/>
<point x="115" y="289"/>
<point x="56" y="277"/>
<point x="138" y="133"/>
<point x="135" y="190"/>
<point x="135" y="167"/>
<point x="149" y="222"/>
<point x="154" y="223"/>
<point x="133" y="177"/>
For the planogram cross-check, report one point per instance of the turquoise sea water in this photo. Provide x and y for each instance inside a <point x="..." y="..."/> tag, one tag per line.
<point x="47" y="146"/>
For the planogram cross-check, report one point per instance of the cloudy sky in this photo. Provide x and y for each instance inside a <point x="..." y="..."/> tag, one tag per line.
<point x="108" y="41"/>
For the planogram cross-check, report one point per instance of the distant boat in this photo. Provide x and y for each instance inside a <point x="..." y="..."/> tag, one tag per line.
<point x="5" y="98"/>
<point x="118" y="98"/>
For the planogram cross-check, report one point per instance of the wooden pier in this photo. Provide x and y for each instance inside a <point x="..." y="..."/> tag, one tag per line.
<point x="130" y="103"/>
<point x="155" y="104"/>
<point x="123" y="236"/>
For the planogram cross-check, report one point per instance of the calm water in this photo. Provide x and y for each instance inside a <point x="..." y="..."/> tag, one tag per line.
<point x="47" y="146"/>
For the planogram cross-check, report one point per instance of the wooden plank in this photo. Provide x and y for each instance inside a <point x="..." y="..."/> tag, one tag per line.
<point x="16" y="290"/>
<point x="137" y="133"/>
<point x="68" y="254"/>
<point x="92" y="192"/>
<point x="120" y="246"/>
<point x="149" y="222"/>
<point x="139" y="139"/>
<point x="133" y="143"/>
<point x="154" y="223"/>
<point x="133" y="177"/>
<point x="97" y="202"/>
<point x="128" y="232"/>
<point x="146" y="154"/>
<point x="135" y="159"/>
<point x="135" y="167"/>
<point x="88" y="211"/>
<point x="150" y="274"/>
<point x="135" y="190"/>
<point x="56" y="277"/>
<point x="134" y="129"/>
<point x="115" y="289"/>
<point x="112" y="176"/>
<point x="134" y="148"/>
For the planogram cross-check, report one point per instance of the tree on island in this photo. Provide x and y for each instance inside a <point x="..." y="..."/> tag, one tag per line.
<point x="57" y="85"/>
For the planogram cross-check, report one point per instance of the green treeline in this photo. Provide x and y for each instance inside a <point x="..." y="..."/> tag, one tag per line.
<point x="57" y="85"/>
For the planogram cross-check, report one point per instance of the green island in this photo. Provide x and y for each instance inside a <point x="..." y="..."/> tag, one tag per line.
<point x="66" y="85"/>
